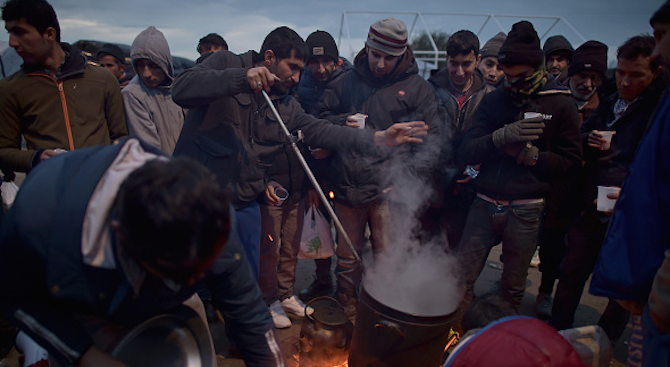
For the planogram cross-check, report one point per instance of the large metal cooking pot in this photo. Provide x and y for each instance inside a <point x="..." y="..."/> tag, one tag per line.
<point x="176" y="339"/>
<point x="385" y="337"/>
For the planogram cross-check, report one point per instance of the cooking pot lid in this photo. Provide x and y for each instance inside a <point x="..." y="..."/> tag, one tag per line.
<point x="328" y="311"/>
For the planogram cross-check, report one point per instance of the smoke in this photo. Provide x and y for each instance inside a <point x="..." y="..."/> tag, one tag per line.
<point x="412" y="275"/>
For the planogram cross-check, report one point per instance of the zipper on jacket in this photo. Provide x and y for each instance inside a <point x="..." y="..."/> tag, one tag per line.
<point x="68" y="126"/>
<point x="66" y="116"/>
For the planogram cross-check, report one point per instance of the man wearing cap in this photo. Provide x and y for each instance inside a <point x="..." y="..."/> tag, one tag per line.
<point x="384" y="87"/>
<point x="459" y="89"/>
<point x="631" y="266"/>
<point x="558" y="53"/>
<point x="585" y="74"/>
<point x="626" y="114"/>
<point x="488" y="64"/>
<point x="324" y="68"/>
<point x="113" y="59"/>
<point x="520" y="158"/>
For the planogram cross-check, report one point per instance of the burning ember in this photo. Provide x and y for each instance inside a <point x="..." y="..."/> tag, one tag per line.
<point x="331" y="195"/>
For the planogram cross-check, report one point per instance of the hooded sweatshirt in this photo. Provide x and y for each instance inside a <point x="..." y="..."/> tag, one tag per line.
<point x="151" y="114"/>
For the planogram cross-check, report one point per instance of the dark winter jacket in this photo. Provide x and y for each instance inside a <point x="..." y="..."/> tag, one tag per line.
<point x="500" y="177"/>
<point x="46" y="278"/>
<point x="311" y="91"/>
<point x="80" y="107"/>
<point x="405" y="96"/>
<point x="459" y="119"/>
<point x="311" y="94"/>
<point x="610" y="167"/>
<point x="232" y="130"/>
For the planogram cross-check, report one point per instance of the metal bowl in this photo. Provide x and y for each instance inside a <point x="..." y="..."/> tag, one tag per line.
<point x="175" y="339"/>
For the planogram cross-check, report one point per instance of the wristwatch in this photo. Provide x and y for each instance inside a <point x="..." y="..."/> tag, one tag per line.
<point x="524" y="158"/>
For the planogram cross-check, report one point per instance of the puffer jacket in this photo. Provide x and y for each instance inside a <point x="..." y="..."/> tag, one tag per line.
<point x="515" y="341"/>
<point x="79" y="107"/>
<point x="46" y="279"/>
<point x="232" y="130"/>
<point x="500" y="176"/>
<point x="152" y="114"/>
<point x="311" y="91"/>
<point x="403" y="96"/>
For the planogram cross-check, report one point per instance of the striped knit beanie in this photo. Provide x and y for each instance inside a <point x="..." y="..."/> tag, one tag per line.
<point x="388" y="35"/>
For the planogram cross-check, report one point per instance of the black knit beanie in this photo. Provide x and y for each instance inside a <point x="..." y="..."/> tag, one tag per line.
<point x="590" y="56"/>
<point x="558" y="45"/>
<point x="662" y="14"/>
<point x="321" y="43"/>
<point x="112" y="50"/>
<point x="522" y="46"/>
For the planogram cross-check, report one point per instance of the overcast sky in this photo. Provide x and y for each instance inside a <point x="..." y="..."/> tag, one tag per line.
<point x="245" y="23"/>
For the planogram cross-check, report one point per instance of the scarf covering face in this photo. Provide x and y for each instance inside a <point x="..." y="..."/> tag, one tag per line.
<point x="520" y="89"/>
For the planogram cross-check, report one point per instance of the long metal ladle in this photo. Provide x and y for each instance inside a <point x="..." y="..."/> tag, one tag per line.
<point x="312" y="179"/>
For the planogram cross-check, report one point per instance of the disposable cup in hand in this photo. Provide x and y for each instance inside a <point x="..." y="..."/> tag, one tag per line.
<point x="607" y="135"/>
<point x="360" y="119"/>
<point x="530" y="115"/>
<point x="282" y="194"/>
<point x="606" y="204"/>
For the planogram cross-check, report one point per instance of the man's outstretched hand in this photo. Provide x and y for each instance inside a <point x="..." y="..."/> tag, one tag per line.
<point x="402" y="133"/>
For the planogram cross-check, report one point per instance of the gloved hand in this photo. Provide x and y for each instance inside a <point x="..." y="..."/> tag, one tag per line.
<point x="518" y="132"/>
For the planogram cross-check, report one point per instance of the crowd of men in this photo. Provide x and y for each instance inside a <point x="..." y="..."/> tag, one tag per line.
<point x="144" y="193"/>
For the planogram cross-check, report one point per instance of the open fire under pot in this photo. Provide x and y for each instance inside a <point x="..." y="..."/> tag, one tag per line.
<point x="325" y="335"/>
<point x="386" y="337"/>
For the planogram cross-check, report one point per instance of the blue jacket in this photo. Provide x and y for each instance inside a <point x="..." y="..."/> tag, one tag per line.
<point x="45" y="281"/>
<point x="639" y="234"/>
<point x="311" y="91"/>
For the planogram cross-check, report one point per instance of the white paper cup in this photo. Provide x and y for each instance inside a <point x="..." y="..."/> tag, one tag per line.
<point x="282" y="194"/>
<point x="607" y="135"/>
<point x="530" y="115"/>
<point x="606" y="204"/>
<point x="361" y="121"/>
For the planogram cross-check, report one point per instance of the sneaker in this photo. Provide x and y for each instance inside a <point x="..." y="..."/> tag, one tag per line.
<point x="279" y="316"/>
<point x="535" y="261"/>
<point x="295" y="307"/>
<point x="543" y="304"/>
<point x="316" y="289"/>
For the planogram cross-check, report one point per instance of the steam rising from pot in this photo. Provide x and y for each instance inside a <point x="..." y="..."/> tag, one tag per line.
<point x="409" y="276"/>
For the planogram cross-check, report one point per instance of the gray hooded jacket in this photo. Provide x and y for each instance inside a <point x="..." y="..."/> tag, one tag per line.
<point x="151" y="114"/>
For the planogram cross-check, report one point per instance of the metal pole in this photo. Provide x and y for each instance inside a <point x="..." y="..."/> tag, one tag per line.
<point x="312" y="179"/>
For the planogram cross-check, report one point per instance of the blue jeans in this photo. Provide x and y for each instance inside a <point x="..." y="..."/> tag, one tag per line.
<point x="249" y="230"/>
<point x="517" y="226"/>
